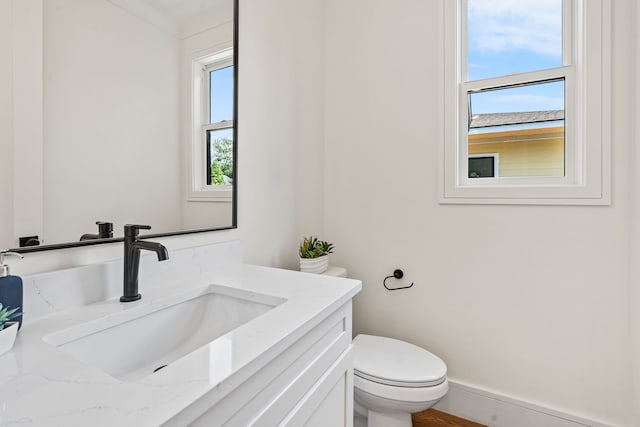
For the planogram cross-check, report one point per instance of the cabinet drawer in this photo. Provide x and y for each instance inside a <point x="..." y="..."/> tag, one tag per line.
<point x="330" y="401"/>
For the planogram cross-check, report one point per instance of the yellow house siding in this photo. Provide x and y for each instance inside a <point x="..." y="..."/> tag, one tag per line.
<point x="529" y="152"/>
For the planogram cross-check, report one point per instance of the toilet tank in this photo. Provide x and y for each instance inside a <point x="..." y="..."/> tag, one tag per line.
<point x="335" y="271"/>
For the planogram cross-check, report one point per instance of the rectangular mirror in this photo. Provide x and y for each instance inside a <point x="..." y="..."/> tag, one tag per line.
<point x="122" y="111"/>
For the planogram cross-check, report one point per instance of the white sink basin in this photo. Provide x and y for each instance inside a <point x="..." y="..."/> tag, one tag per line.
<point x="130" y="344"/>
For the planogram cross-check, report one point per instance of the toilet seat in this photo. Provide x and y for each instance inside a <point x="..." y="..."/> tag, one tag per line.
<point x="395" y="363"/>
<point x="385" y="381"/>
<point x="401" y="394"/>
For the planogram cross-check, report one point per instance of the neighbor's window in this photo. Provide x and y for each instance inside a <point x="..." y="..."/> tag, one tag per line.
<point x="521" y="89"/>
<point x="213" y="127"/>
<point x="483" y="165"/>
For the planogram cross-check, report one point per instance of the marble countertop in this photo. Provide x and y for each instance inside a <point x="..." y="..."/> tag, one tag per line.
<point x="42" y="386"/>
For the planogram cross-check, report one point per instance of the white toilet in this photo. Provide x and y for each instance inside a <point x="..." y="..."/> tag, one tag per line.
<point x="394" y="379"/>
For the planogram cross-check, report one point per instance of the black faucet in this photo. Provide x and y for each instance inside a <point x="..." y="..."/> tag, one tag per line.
<point x="105" y="231"/>
<point x="132" y="247"/>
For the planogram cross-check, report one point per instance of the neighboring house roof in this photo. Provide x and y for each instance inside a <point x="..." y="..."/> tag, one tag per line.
<point x="501" y="119"/>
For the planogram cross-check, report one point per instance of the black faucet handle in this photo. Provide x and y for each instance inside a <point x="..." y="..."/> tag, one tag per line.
<point x="105" y="229"/>
<point x="132" y="230"/>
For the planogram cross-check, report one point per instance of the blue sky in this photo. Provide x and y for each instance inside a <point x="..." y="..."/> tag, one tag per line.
<point x="507" y="36"/>
<point x="221" y="84"/>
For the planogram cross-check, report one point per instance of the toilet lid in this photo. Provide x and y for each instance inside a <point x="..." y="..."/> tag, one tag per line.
<point x="398" y="363"/>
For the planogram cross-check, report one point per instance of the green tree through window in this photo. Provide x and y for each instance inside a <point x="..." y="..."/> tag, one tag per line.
<point x="222" y="161"/>
<point x="217" y="178"/>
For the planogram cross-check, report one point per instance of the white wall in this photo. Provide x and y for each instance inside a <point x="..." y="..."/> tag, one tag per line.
<point x="111" y="111"/>
<point x="280" y="127"/>
<point x="528" y="301"/>
<point x="634" y="300"/>
<point x="6" y="123"/>
<point x="111" y="120"/>
<point x="27" y="128"/>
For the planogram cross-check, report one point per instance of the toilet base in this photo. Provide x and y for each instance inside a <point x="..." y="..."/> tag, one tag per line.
<point x="359" y="421"/>
<point x="389" y="419"/>
<point x="377" y="419"/>
<point x="363" y="417"/>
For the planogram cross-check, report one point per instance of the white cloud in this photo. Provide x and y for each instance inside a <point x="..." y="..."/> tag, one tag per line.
<point x="507" y="25"/>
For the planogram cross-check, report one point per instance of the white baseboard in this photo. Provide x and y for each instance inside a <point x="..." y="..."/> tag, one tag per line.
<point x="495" y="410"/>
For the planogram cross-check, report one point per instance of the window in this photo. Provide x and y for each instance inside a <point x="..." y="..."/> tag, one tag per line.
<point x="213" y="127"/>
<point x="219" y="129"/>
<point x="483" y="165"/>
<point x="526" y="83"/>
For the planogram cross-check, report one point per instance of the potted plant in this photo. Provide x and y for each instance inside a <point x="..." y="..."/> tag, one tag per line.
<point x="8" y="329"/>
<point x="314" y="255"/>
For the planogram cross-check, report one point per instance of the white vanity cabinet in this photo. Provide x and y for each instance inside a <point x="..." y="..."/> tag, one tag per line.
<point x="309" y="384"/>
<point x="279" y="353"/>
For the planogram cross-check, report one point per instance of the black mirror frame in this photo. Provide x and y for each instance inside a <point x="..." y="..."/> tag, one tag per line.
<point x="234" y="208"/>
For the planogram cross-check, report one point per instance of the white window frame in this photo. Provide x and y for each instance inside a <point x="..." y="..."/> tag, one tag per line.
<point x="202" y="65"/>
<point x="586" y="72"/>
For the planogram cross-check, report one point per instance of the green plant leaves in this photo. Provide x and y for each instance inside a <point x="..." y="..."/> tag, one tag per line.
<point x="311" y="247"/>
<point x="7" y="315"/>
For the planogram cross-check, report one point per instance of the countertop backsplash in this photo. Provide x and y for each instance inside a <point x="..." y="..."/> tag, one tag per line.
<point x="51" y="292"/>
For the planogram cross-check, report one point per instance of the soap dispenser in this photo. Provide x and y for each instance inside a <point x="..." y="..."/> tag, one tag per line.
<point x="10" y="287"/>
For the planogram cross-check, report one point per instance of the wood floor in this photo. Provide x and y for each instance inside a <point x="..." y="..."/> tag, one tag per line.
<point x="433" y="418"/>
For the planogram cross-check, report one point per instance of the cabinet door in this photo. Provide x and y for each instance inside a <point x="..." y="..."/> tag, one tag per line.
<point x="330" y="401"/>
<point x="277" y="390"/>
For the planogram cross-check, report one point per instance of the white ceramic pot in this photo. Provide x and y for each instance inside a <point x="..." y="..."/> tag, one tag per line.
<point x="8" y="336"/>
<point x="314" y="265"/>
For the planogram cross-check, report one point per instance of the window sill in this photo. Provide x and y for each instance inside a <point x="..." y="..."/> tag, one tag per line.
<point x="541" y="195"/>
<point x="211" y="196"/>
